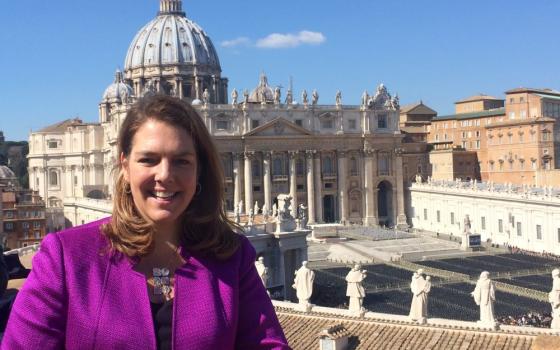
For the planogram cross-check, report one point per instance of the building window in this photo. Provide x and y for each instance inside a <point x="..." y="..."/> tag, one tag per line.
<point x="9" y="215"/>
<point x="464" y="144"/>
<point x="300" y="167"/>
<point x="483" y="223"/>
<point x="327" y="124"/>
<point x="256" y="188"/>
<point x="383" y="164"/>
<point x="438" y="216"/>
<point x="477" y="144"/>
<point x="452" y="219"/>
<point x="425" y="214"/>
<point x="254" y="123"/>
<point x="37" y="234"/>
<point x="328" y="185"/>
<point x="36" y="225"/>
<point x="299" y="122"/>
<point x="353" y="166"/>
<point x="328" y="168"/>
<point x="545" y="136"/>
<point x="539" y="232"/>
<point x="352" y="124"/>
<point x="523" y="114"/>
<point x="518" y="226"/>
<point x="299" y="188"/>
<point x="500" y="225"/>
<point x="25" y="225"/>
<point x="222" y="125"/>
<point x="8" y="226"/>
<point x="52" y="144"/>
<point x="53" y="178"/>
<point x="256" y="168"/>
<point x="228" y="167"/>
<point x="558" y="233"/>
<point x="382" y="121"/>
<point x="277" y="167"/>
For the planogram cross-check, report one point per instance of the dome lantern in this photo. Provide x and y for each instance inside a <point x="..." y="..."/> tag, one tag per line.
<point x="168" y="7"/>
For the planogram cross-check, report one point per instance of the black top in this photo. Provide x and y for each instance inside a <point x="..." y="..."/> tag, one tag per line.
<point x="162" y="314"/>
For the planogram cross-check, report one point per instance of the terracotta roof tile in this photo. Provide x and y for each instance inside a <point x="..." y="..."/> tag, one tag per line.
<point x="303" y="330"/>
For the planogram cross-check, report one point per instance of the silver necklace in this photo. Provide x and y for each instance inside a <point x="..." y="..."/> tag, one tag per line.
<point x="162" y="282"/>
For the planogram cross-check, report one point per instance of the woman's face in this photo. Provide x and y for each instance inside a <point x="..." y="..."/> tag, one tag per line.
<point x="162" y="172"/>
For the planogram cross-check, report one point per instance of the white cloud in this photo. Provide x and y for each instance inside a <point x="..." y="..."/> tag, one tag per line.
<point x="241" y="41"/>
<point x="283" y="41"/>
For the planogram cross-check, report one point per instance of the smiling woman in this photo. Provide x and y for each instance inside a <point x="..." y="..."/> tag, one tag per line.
<point x="167" y="270"/>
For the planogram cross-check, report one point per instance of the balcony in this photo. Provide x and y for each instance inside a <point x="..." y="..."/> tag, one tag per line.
<point x="279" y="178"/>
<point x="329" y="176"/>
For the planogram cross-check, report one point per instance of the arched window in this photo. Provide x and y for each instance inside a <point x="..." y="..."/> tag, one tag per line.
<point x="53" y="178"/>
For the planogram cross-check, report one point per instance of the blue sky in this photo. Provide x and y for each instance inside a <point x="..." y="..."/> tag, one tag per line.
<point x="59" y="56"/>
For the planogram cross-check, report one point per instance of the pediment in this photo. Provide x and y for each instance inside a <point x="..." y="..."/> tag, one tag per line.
<point x="327" y="115"/>
<point x="421" y="109"/>
<point x="279" y="127"/>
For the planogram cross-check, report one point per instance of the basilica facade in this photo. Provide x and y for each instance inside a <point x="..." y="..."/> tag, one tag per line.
<point x="346" y="163"/>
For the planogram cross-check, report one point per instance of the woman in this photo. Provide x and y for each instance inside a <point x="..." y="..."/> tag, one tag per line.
<point x="166" y="270"/>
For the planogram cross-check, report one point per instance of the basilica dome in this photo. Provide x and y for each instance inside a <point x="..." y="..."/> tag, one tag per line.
<point x="6" y="173"/>
<point x="263" y="92"/>
<point x="173" y="55"/>
<point x="118" y="91"/>
<point x="171" y="39"/>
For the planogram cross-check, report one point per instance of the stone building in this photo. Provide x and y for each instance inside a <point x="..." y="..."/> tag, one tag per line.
<point x="518" y="215"/>
<point x="22" y="213"/>
<point x="344" y="162"/>
<point x="513" y="141"/>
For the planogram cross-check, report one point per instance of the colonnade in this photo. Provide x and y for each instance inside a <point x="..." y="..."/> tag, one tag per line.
<point x="318" y="183"/>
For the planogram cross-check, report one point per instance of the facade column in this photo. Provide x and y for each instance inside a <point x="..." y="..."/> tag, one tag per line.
<point x="401" y="216"/>
<point x="68" y="181"/>
<point x="369" y="174"/>
<point x="248" y="181"/>
<point x="267" y="180"/>
<point x="236" y="179"/>
<point x="179" y="87"/>
<point x="310" y="186"/>
<point x="197" y="87"/>
<point x="342" y="193"/>
<point x="318" y="188"/>
<point x="293" y="181"/>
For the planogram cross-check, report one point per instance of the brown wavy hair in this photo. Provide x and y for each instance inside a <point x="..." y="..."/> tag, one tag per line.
<point x="206" y="227"/>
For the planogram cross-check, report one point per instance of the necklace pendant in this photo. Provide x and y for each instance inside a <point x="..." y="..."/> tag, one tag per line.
<point x="162" y="282"/>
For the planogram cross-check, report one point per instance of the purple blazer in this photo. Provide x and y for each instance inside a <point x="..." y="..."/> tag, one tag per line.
<point x="77" y="297"/>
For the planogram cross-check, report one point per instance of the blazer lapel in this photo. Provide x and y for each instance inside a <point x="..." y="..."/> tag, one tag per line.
<point x="198" y="309"/>
<point x="125" y="315"/>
